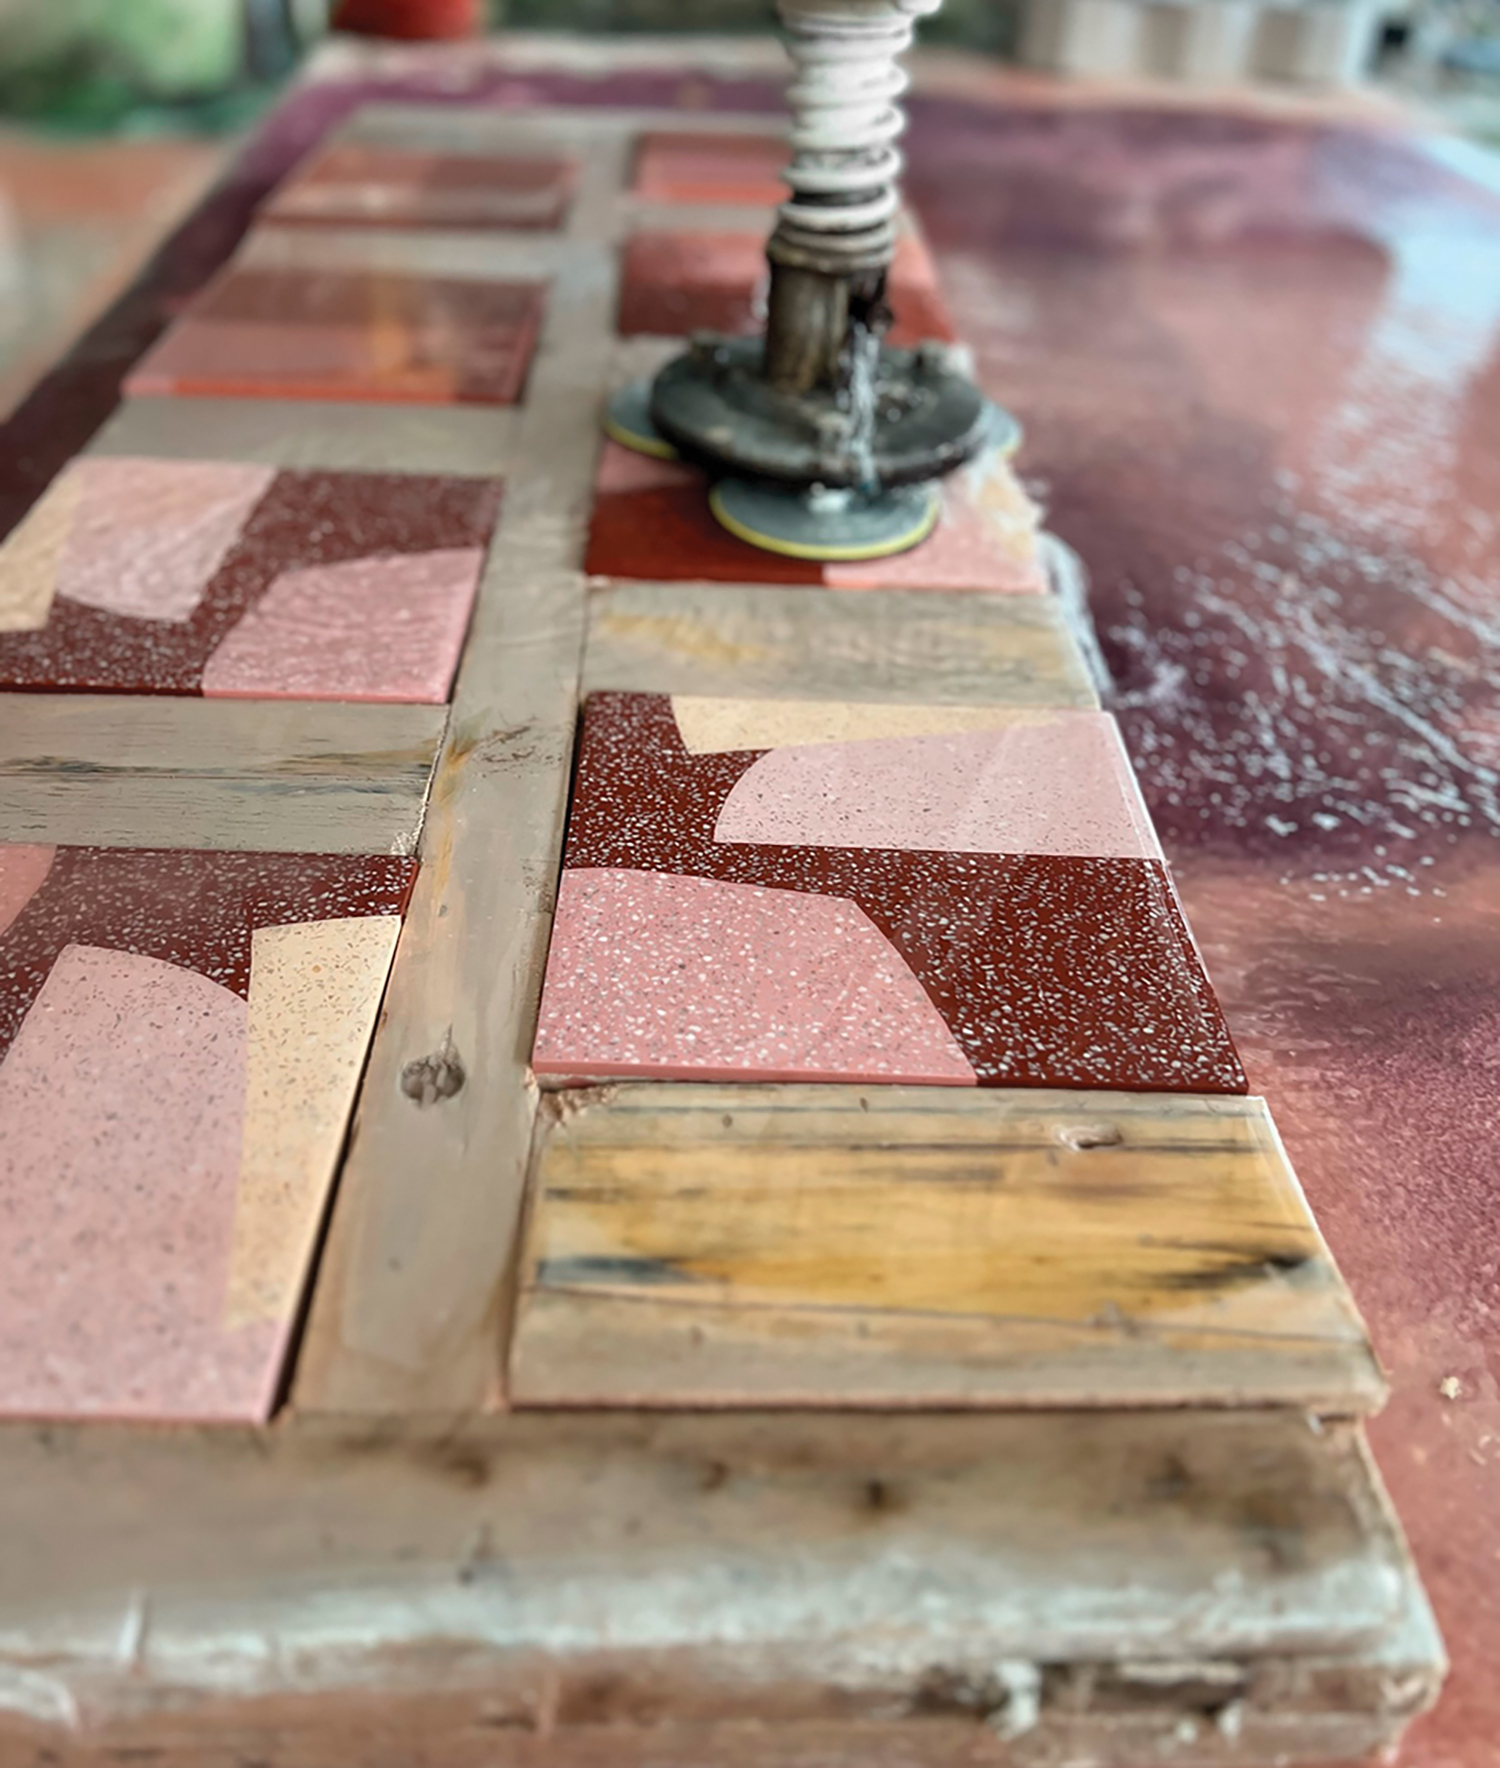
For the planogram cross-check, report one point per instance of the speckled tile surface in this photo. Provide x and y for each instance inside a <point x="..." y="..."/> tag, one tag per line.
<point x="1066" y="965"/>
<point x="173" y="577"/>
<point x="351" y="184"/>
<point x="181" y="1036"/>
<point x="675" y="283"/>
<point x="651" y="521"/>
<point x="682" y="167"/>
<point x="356" y="334"/>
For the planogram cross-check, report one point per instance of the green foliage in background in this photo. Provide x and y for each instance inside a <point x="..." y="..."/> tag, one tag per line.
<point x="97" y="63"/>
<point x="976" y="24"/>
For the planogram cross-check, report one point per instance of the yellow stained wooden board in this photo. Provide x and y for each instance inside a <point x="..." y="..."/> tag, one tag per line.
<point x="721" y="1246"/>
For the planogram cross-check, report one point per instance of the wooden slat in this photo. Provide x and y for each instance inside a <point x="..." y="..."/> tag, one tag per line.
<point x="482" y="128"/>
<point x="655" y="1584"/>
<point x="408" y="1311"/>
<point x="677" y="638"/>
<point x="316" y="434"/>
<point x="719" y="1246"/>
<point x="427" y="251"/>
<point x="147" y="770"/>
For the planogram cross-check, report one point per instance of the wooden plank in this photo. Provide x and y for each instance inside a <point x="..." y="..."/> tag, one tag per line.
<point x="948" y="1582"/>
<point x="722" y="1246"/>
<point x="407" y="1314"/>
<point x="877" y="645"/>
<point x="148" y="770"/>
<point x="316" y="434"/>
<point x="482" y="128"/>
<point x="428" y="251"/>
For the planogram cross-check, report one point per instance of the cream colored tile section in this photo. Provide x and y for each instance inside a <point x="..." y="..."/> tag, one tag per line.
<point x="32" y="555"/>
<point x="711" y="726"/>
<point x="315" y="989"/>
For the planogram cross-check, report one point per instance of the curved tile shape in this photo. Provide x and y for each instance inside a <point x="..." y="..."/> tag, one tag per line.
<point x="121" y="1101"/>
<point x="1061" y="786"/>
<point x="369" y="629"/>
<point x="23" y="871"/>
<point x="315" y="988"/>
<point x="693" y="979"/>
<point x="149" y="535"/>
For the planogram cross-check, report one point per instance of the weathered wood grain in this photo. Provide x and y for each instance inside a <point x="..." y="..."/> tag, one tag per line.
<point x="484" y="128"/>
<point x="317" y="434"/>
<point x="832" y="1589"/>
<point x="721" y="1246"/>
<point x="408" y="1312"/>
<point x="147" y="770"/>
<point x="879" y="645"/>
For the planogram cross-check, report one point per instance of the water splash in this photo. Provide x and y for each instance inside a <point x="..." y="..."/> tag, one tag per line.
<point x="861" y="365"/>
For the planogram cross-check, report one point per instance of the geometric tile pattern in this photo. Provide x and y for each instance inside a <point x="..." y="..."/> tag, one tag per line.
<point x="181" y="1036"/>
<point x="174" y="577"/>
<point x="963" y="906"/>
<point x="349" y="334"/>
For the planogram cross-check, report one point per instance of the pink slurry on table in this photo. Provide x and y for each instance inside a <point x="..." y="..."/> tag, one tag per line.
<point x="122" y="1097"/>
<point x="691" y="978"/>
<point x="1048" y="783"/>
<point x="367" y="629"/>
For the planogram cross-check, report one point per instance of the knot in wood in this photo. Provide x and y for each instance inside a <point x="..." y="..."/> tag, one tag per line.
<point x="434" y="1077"/>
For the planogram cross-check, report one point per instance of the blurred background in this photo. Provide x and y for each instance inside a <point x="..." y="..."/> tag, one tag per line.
<point x="116" y="114"/>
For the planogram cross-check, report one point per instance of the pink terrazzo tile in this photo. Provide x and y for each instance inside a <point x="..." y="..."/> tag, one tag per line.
<point x="367" y="629"/>
<point x="147" y="536"/>
<point x="1048" y="783"/>
<point x="23" y="871"/>
<point x="121" y="1101"/>
<point x="986" y="539"/>
<point x="692" y="978"/>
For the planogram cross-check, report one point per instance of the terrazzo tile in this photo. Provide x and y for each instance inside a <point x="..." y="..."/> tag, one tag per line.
<point x="122" y="1100"/>
<point x="353" y="184"/>
<point x="678" y="166"/>
<point x="1049" y="969"/>
<point x="368" y="629"/>
<point x="315" y="988"/>
<point x="695" y="979"/>
<point x="709" y="725"/>
<point x="673" y="283"/>
<point x="651" y="522"/>
<point x="249" y="574"/>
<point x="349" y="334"/>
<point x="145" y="540"/>
<point x="152" y="1258"/>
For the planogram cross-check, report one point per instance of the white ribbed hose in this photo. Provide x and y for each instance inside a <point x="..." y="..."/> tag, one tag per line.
<point x="846" y="119"/>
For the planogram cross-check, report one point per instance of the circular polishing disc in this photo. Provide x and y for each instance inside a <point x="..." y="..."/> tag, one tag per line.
<point x="627" y="420"/>
<point x="829" y="527"/>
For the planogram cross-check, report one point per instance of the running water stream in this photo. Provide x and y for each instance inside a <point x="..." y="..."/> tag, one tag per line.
<point x="862" y="360"/>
